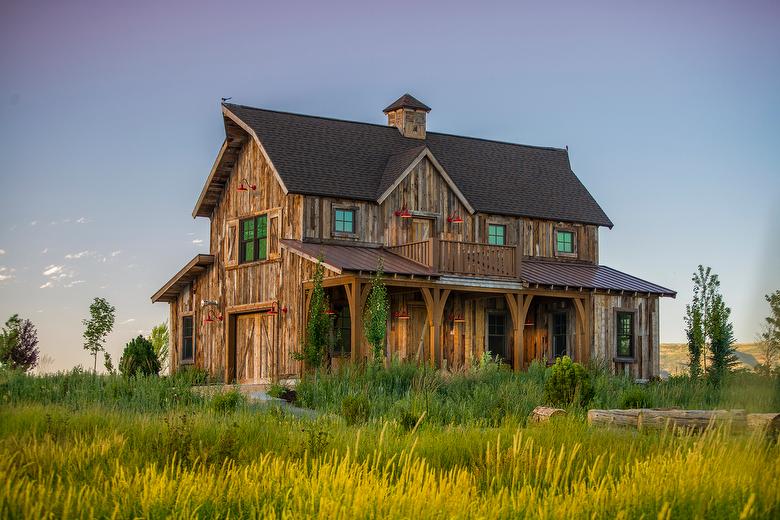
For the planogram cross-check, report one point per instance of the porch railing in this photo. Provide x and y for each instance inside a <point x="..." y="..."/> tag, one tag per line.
<point x="463" y="258"/>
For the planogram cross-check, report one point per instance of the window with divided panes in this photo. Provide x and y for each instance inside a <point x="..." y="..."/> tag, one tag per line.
<point x="254" y="239"/>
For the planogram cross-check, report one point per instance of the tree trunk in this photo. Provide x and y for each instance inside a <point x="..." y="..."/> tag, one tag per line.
<point x="543" y="413"/>
<point x="698" y="420"/>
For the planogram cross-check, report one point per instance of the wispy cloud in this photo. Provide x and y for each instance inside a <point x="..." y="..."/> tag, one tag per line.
<point x="115" y="253"/>
<point x="80" y="254"/>
<point x="34" y="222"/>
<point x="57" y="274"/>
<point x="6" y="273"/>
<point x="45" y="250"/>
<point x="82" y="220"/>
<point x="53" y="270"/>
<point x="2" y="252"/>
<point x="46" y="285"/>
<point x="128" y="320"/>
<point x="197" y="241"/>
<point x="73" y="283"/>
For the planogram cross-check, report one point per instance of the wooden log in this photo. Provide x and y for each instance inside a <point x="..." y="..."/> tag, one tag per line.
<point x="543" y="413"/>
<point x="642" y="418"/>
<point x="768" y="422"/>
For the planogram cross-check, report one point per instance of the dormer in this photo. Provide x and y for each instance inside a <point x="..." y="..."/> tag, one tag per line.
<point x="408" y="115"/>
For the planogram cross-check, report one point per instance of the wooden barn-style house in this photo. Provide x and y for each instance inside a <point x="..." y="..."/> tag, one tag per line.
<point x="486" y="246"/>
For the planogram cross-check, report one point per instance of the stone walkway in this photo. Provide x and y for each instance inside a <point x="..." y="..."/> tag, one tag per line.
<point x="257" y="395"/>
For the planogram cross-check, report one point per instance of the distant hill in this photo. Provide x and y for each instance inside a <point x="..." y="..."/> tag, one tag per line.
<point x="674" y="357"/>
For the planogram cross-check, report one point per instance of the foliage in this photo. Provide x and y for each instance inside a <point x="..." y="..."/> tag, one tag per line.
<point x="160" y="339"/>
<point x="227" y="402"/>
<point x="355" y="409"/>
<point x="376" y="314"/>
<point x="318" y="325"/>
<point x="694" y="330"/>
<point x="568" y="383"/>
<point x="19" y="344"/>
<point x="722" y="356"/>
<point x="193" y="463"/>
<point x="635" y="397"/>
<point x="277" y="390"/>
<point x="108" y="363"/>
<point x="97" y="327"/>
<point x="770" y="334"/>
<point x="194" y="376"/>
<point x="139" y="358"/>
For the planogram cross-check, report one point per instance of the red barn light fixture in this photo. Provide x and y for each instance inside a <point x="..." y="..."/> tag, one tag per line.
<point x="210" y="318"/>
<point x="245" y="186"/>
<point x="401" y="315"/>
<point x="403" y="212"/>
<point x="455" y="218"/>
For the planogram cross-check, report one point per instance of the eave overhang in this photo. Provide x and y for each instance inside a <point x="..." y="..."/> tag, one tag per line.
<point x="194" y="268"/>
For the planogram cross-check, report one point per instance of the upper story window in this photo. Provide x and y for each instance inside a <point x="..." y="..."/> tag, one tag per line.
<point x="254" y="239"/>
<point x="187" y="339"/>
<point x="497" y="234"/>
<point x="564" y="242"/>
<point x="344" y="220"/>
<point x="625" y="334"/>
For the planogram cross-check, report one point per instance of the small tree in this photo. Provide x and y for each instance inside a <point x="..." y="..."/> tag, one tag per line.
<point x="97" y="327"/>
<point x="318" y="325"/>
<point x="160" y="338"/>
<point x="19" y="344"/>
<point x="694" y="330"/>
<point x="375" y="315"/>
<point x="722" y="356"/>
<point x="139" y="358"/>
<point x="108" y="363"/>
<point x="769" y="338"/>
<point x="705" y="287"/>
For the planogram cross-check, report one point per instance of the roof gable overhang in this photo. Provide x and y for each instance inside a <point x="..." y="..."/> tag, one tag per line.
<point x="236" y="134"/>
<point x="194" y="268"/>
<point x="426" y="153"/>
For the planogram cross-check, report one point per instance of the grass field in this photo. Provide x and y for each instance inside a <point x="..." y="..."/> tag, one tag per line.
<point x="76" y="445"/>
<point x="674" y="356"/>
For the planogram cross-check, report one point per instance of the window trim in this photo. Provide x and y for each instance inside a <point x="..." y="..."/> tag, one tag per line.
<point x="506" y="347"/>
<point x="564" y="229"/>
<point x="256" y="240"/>
<point x="182" y="359"/>
<point x="504" y="233"/>
<point x="342" y="322"/>
<point x="343" y="207"/>
<point x="617" y="311"/>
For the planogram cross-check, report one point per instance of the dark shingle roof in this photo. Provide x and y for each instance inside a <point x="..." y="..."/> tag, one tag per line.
<point x="407" y="101"/>
<point x="330" y="157"/>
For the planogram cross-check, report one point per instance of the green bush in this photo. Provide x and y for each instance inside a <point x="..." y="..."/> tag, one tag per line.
<point x="277" y="390"/>
<point x="139" y="358"/>
<point x="568" y="383"/>
<point x="636" y="397"/>
<point x="355" y="409"/>
<point x="227" y="402"/>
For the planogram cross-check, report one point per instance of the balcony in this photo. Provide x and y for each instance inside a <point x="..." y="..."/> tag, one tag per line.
<point x="463" y="258"/>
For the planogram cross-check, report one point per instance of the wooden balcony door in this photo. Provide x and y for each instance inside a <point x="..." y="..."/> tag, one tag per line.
<point x="422" y="229"/>
<point x="254" y="340"/>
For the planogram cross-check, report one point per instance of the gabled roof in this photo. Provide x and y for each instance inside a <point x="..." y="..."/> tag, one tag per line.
<point x="330" y="157"/>
<point x="407" y="101"/>
<point x="183" y="278"/>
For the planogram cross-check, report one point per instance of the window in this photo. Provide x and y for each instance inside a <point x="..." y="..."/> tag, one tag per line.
<point x="564" y="242"/>
<point x="497" y="334"/>
<point x="342" y="333"/>
<point x="344" y="220"/>
<point x="625" y="334"/>
<point x="496" y="234"/>
<point x="187" y="339"/>
<point x="559" y="334"/>
<point x="254" y="239"/>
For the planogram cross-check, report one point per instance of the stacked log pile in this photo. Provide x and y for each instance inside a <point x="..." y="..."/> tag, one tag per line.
<point x="697" y="420"/>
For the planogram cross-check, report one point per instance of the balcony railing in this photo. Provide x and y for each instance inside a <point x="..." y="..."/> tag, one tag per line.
<point x="463" y="258"/>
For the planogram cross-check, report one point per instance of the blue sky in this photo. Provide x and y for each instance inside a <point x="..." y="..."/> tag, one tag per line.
<point x="109" y="123"/>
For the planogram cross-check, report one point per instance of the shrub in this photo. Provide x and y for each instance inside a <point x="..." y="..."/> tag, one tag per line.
<point x="277" y="390"/>
<point x="636" y="397"/>
<point x="192" y="375"/>
<point x="139" y="358"/>
<point x="355" y="409"/>
<point x="227" y="402"/>
<point x="568" y="383"/>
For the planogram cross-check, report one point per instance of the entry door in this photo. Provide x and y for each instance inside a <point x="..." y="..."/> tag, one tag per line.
<point x="247" y="346"/>
<point x="421" y="229"/>
<point x="418" y="333"/>
<point x="560" y="335"/>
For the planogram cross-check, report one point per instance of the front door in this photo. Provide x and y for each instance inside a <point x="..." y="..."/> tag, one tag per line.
<point x="559" y="335"/>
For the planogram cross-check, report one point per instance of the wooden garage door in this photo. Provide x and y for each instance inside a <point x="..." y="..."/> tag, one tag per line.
<point x="254" y="347"/>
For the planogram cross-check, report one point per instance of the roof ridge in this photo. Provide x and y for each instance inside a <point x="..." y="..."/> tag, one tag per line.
<point x="378" y="125"/>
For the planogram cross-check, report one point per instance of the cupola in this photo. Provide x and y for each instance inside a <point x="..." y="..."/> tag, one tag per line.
<point x="408" y="115"/>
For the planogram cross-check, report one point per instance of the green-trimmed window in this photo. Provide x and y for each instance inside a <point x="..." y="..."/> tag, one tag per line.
<point x="497" y="234"/>
<point x="187" y="339"/>
<point x="565" y="241"/>
<point x="254" y="239"/>
<point x="344" y="220"/>
<point x="625" y="334"/>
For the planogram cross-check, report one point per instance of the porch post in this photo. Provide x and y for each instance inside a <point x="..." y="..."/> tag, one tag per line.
<point x="581" y="329"/>
<point x="435" y="299"/>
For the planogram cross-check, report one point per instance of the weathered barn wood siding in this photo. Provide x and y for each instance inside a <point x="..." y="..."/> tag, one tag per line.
<point x="647" y="346"/>
<point x="539" y="240"/>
